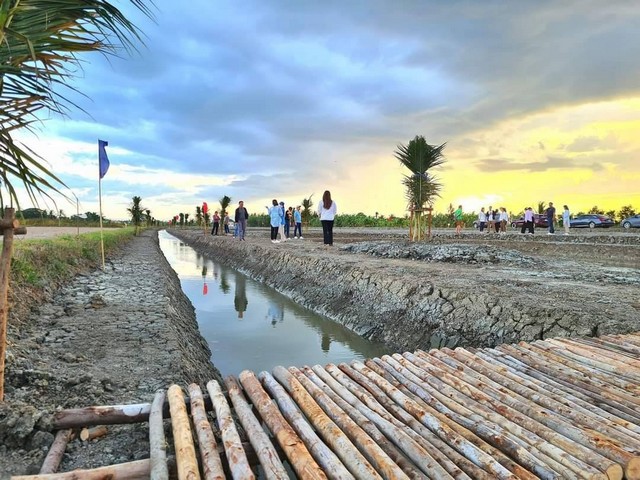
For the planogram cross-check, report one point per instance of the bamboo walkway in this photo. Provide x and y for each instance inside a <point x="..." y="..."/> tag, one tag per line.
<point x="563" y="408"/>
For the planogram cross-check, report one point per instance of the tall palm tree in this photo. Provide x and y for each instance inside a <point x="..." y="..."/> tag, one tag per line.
<point x="421" y="186"/>
<point x="40" y="43"/>
<point x="307" y="206"/>
<point x="136" y="210"/>
<point x="199" y="215"/>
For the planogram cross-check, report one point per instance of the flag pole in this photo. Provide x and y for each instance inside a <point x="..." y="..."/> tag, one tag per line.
<point x="101" y="236"/>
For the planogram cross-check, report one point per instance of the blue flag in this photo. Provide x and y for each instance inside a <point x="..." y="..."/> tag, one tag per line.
<point x="102" y="158"/>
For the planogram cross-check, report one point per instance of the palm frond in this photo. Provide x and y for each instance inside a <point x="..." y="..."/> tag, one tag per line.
<point x="41" y="41"/>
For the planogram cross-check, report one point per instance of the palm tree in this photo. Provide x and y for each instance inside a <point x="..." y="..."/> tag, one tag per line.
<point x="421" y="186"/>
<point x="41" y="42"/>
<point x="541" y="207"/>
<point x="147" y="216"/>
<point x="224" y="204"/>
<point x="199" y="215"/>
<point x="136" y="211"/>
<point x="307" y="205"/>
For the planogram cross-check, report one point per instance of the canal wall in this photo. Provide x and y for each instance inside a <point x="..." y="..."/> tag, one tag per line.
<point x="388" y="300"/>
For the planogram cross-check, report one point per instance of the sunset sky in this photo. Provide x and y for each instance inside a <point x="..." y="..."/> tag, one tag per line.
<point x="537" y="101"/>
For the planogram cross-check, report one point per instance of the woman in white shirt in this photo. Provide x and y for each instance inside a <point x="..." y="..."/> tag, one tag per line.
<point x="327" y="210"/>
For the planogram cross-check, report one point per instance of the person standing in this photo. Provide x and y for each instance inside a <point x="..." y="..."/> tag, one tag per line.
<point x="504" y="219"/>
<point x="288" y="218"/>
<point x="566" y="220"/>
<point x="490" y="219"/>
<point x="457" y="215"/>
<point x="327" y="210"/>
<point x="225" y="222"/>
<point x="482" y="219"/>
<point x="528" y="220"/>
<point x="241" y="218"/>
<point x="216" y="223"/>
<point x="282" y="222"/>
<point x="551" y="218"/>
<point x="297" y="217"/>
<point x="274" y="220"/>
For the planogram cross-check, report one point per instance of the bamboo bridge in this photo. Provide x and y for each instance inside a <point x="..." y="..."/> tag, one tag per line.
<point x="563" y="408"/>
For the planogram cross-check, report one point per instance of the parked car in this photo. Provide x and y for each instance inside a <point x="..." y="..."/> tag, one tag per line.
<point x="539" y="221"/>
<point x="631" y="222"/>
<point x="592" y="220"/>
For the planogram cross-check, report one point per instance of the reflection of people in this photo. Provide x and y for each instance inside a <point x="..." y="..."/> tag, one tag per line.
<point x="240" y="298"/>
<point x="327" y="210"/>
<point x="325" y="343"/>
<point x="276" y="312"/>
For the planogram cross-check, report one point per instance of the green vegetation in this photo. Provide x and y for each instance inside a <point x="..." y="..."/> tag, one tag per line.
<point x="137" y="212"/>
<point x="49" y="262"/>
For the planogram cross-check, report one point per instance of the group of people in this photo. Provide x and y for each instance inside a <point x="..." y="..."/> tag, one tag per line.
<point x="281" y="220"/>
<point x="493" y="219"/>
<point x="550" y="214"/>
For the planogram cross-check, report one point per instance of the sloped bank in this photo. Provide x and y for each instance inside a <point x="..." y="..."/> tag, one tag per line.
<point x="410" y="304"/>
<point x="108" y="337"/>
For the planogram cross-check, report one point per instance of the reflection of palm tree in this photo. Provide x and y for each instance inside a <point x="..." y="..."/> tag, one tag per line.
<point x="240" y="298"/>
<point x="325" y="343"/>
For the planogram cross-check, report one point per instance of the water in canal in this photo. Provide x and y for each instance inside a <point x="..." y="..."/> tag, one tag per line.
<point x="251" y="326"/>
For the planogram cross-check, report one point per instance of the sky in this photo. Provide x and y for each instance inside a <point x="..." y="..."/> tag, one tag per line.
<point x="535" y="100"/>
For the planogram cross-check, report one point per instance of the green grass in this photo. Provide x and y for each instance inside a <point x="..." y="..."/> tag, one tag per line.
<point x="42" y="262"/>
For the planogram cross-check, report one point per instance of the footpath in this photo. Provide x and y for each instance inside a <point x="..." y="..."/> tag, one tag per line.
<point x="109" y="337"/>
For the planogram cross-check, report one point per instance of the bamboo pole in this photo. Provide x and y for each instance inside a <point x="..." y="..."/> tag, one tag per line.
<point x="182" y="437"/>
<point x="56" y="452"/>
<point x="582" y="459"/>
<point x="138" y="470"/>
<point x="157" y="442"/>
<point x="266" y="452"/>
<point x="367" y="392"/>
<point x="330" y="432"/>
<point x="293" y="447"/>
<point x="326" y="458"/>
<point x="236" y="456"/>
<point x="210" y="459"/>
<point x="8" y="223"/>
<point x="376" y="456"/>
<point x="370" y="424"/>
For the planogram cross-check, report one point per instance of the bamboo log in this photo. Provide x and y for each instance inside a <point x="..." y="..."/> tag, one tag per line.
<point x="529" y="430"/>
<point x="370" y="423"/>
<point x="138" y="470"/>
<point x="101" y="415"/>
<point x="293" y="447"/>
<point x="437" y="426"/>
<point x="376" y="456"/>
<point x="546" y="398"/>
<point x="210" y="459"/>
<point x="456" y="465"/>
<point x="56" y="452"/>
<point x="489" y="437"/>
<point x="325" y="457"/>
<point x="157" y="442"/>
<point x="267" y="454"/>
<point x="330" y="432"/>
<point x="494" y="395"/>
<point x="623" y="350"/>
<point x="5" y="273"/>
<point x="236" y="456"/>
<point x="87" y="434"/>
<point x="565" y="387"/>
<point x="182" y="437"/>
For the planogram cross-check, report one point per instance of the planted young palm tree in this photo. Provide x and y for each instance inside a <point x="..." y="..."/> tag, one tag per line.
<point x="224" y="204"/>
<point x="136" y="210"/>
<point x="421" y="186"/>
<point x="199" y="215"/>
<point x="307" y="206"/>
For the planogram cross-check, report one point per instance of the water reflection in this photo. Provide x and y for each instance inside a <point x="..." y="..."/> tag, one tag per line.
<point x="258" y="328"/>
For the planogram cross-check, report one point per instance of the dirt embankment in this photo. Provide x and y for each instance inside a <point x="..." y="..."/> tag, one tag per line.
<point x="107" y="338"/>
<point x="471" y="291"/>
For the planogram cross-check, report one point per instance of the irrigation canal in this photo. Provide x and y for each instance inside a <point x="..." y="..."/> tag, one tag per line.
<point x="251" y="326"/>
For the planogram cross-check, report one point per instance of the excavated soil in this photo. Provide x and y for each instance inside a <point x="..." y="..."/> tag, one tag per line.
<point x="116" y="336"/>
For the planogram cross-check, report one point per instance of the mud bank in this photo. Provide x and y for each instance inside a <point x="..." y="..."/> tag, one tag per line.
<point x="107" y="338"/>
<point x="448" y="293"/>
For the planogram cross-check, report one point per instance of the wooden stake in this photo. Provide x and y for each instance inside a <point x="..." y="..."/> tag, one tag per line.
<point x="138" y="470"/>
<point x="5" y="273"/>
<point x="56" y="452"/>
<point x="211" y="463"/>
<point x="87" y="434"/>
<point x="157" y="442"/>
<point x="182" y="438"/>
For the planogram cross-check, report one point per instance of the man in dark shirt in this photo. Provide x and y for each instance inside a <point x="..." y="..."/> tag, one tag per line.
<point x="551" y="217"/>
<point x="241" y="219"/>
